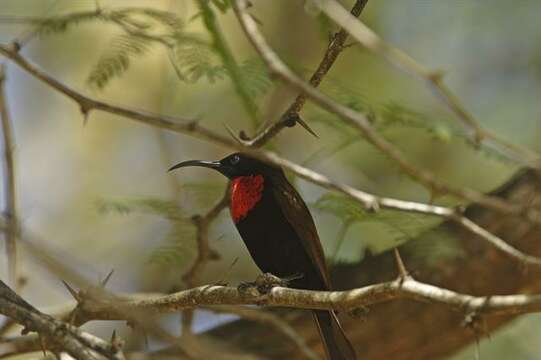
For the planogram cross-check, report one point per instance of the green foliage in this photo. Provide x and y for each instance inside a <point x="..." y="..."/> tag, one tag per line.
<point x="164" y="208"/>
<point x="256" y="77"/>
<point x="340" y="206"/>
<point x="63" y="23"/>
<point x="399" y="226"/>
<point x="116" y="60"/>
<point x="202" y="193"/>
<point x="192" y="57"/>
<point x="194" y="60"/>
<point x="227" y="58"/>
<point x="388" y="119"/>
<point x="165" y="18"/>
<point x="425" y="241"/>
<point x="178" y="246"/>
<point x="434" y="248"/>
<point x="396" y="115"/>
<point x="179" y="243"/>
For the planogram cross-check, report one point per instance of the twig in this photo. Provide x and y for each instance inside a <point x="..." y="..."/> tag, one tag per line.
<point x="291" y="115"/>
<point x="366" y="37"/>
<point x="10" y="192"/>
<point x="191" y="127"/>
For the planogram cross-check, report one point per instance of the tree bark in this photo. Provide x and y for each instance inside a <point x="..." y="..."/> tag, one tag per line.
<point x="407" y="329"/>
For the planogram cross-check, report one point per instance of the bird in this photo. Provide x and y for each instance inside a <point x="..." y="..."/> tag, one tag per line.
<point x="280" y="234"/>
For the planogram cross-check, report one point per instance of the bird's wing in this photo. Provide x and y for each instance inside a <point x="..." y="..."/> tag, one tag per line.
<point x="297" y="214"/>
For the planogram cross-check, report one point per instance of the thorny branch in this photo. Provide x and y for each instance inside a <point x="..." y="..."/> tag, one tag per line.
<point x="369" y="39"/>
<point x="405" y="286"/>
<point x="99" y="306"/>
<point x="10" y="193"/>
<point x="90" y="294"/>
<point x="191" y="127"/>
<point x="291" y="115"/>
<point x="55" y="334"/>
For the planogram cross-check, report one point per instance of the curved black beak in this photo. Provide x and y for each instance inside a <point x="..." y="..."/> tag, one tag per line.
<point x="216" y="165"/>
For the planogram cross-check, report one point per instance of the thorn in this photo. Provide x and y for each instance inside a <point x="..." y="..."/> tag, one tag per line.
<point x="85" y="110"/>
<point x="232" y="134"/>
<point x="131" y="324"/>
<point x="460" y="210"/>
<point x="256" y="20"/>
<point x="16" y="46"/>
<point x="478" y="138"/>
<point x="72" y="291"/>
<point x="192" y="125"/>
<point x="107" y="278"/>
<point x="244" y="136"/>
<point x="373" y="206"/>
<point x="436" y="76"/>
<point x="402" y="272"/>
<point x="116" y="342"/>
<point x="42" y="345"/>
<point x="434" y="194"/>
<point x="359" y="313"/>
<point x="307" y="128"/>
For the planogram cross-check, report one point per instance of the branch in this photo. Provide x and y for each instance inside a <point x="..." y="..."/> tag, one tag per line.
<point x="349" y="300"/>
<point x="361" y="123"/>
<point x="62" y="336"/>
<point x="366" y="37"/>
<point x="291" y="115"/>
<point x="191" y="127"/>
<point x="10" y="192"/>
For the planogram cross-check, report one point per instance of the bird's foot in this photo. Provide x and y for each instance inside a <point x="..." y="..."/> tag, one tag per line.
<point x="265" y="282"/>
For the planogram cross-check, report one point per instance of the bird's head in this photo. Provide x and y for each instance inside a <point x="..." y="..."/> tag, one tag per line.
<point x="232" y="166"/>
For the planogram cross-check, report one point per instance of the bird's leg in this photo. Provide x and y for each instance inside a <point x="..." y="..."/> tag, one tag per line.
<point x="266" y="281"/>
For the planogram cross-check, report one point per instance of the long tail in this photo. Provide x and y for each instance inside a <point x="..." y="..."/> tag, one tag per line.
<point x="335" y="342"/>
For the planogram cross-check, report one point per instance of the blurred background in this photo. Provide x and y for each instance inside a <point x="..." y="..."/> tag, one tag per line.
<point x="97" y="190"/>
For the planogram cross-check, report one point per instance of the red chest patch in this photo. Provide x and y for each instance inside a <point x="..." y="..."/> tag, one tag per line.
<point x="246" y="191"/>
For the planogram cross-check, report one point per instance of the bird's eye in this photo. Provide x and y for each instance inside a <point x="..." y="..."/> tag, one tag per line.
<point x="235" y="160"/>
